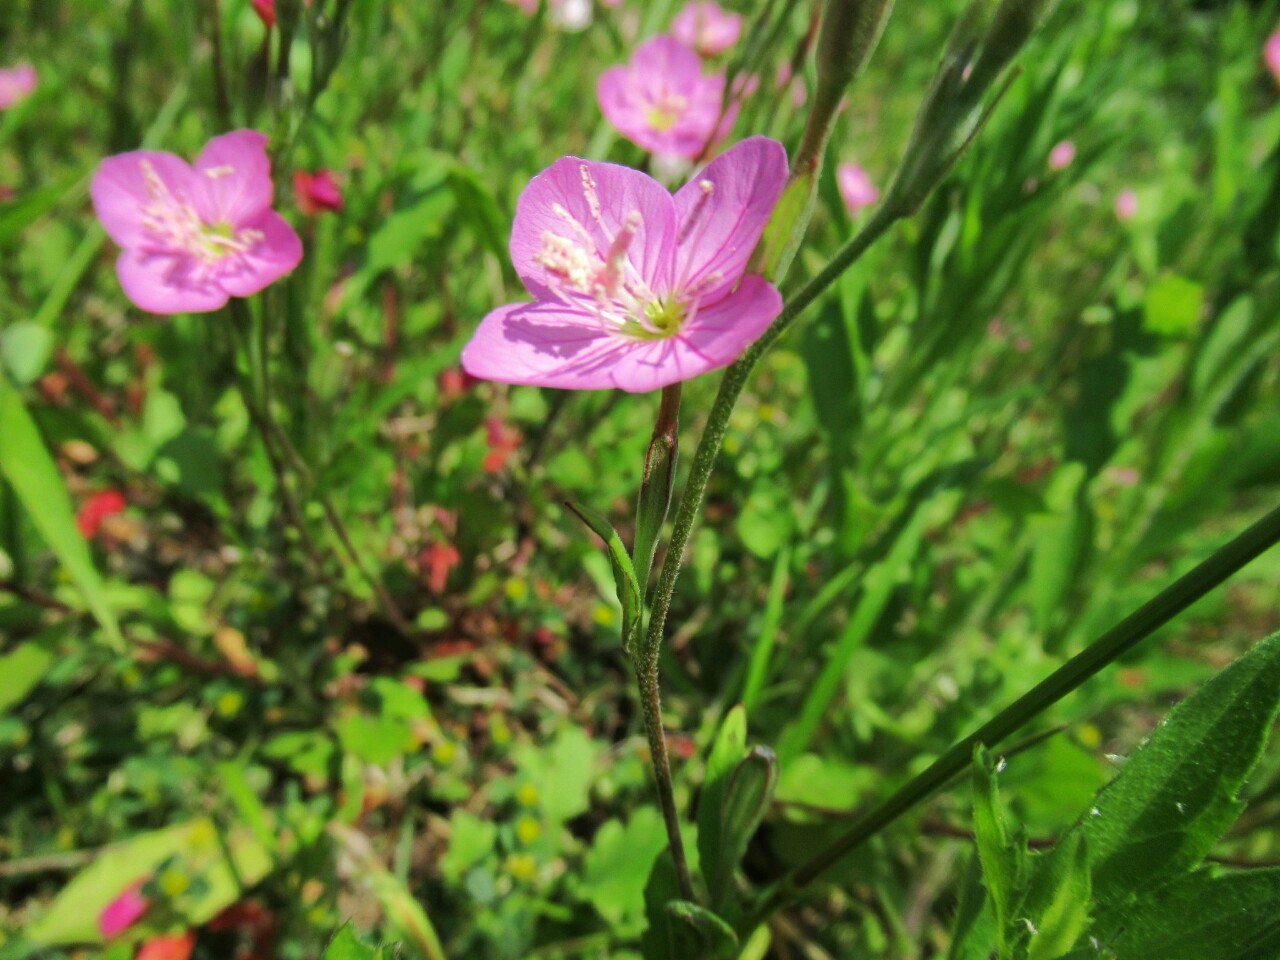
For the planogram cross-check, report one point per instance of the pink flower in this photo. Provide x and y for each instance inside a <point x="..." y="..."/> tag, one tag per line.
<point x="634" y="288"/>
<point x="16" y="84"/>
<point x="1126" y="205"/>
<point x="266" y="10"/>
<point x="1271" y="54"/>
<point x="195" y="236"/>
<point x="706" y="27"/>
<point x="1062" y="155"/>
<point x="856" y="188"/>
<point x="662" y="101"/>
<point x="124" y="911"/>
<point x="317" y="192"/>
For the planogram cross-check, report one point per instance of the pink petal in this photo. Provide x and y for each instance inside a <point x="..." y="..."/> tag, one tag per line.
<point x="721" y="331"/>
<point x="123" y="912"/>
<point x="663" y="60"/>
<point x="664" y="76"/>
<point x="588" y="203"/>
<point x="719" y="229"/>
<point x="707" y="27"/>
<point x="543" y="343"/>
<point x="165" y="284"/>
<point x="279" y="252"/>
<point x="236" y="178"/>
<point x="121" y="192"/>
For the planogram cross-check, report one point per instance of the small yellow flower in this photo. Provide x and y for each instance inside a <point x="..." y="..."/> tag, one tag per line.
<point x="522" y="866"/>
<point x="528" y="829"/>
<point x="528" y="796"/>
<point x="444" y="752"/>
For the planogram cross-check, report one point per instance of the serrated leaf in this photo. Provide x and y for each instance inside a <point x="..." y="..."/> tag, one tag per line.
<point x="345" y="945"/>
<point x="1003" y="856"/>
<point x="1059" y="902"/>
<point x="1229" y="916"/>
<point x="1178" y="794"/>
<point x="29" y="468"/>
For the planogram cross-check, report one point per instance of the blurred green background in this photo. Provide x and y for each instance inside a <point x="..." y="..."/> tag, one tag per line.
<point x="1010" y="424"/>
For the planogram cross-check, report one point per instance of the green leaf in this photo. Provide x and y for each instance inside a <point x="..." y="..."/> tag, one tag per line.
<point x="24" y="351"/>
<point x="1003" y="857"/>
<point x="1058" y="904"/>
<point x="617" y="867"/>
<point x="20" y="670"/>
<point x="200" y="852"/>
<point x="1227" y="916"/>
<point x="470" y="841"/>
<point x="715" y="936"/>
<point x="1173" y="306"/>
<point x="665" y="937"/>
<point x="655" y="500"/>
<point x="786" y="227"/>
<point x="973" y="936"/>
<point x="624" y="574"/>
<point x="1178" y="794"/>
<point x="726" y="753"/>
<point x="747" y="797"/>
<point x="25" y="462"/>
<point x="347" y="946"/>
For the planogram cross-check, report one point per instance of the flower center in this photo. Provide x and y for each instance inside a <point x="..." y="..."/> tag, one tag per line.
<point x="662" y="319"/>
<point x="665" y="112"/>
<point x="176" y="227"/>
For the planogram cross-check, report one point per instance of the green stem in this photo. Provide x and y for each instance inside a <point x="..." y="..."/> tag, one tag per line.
<point x="651" y="707"/>
<point x="1113" y="644"/>
<point x="731" y="386"/>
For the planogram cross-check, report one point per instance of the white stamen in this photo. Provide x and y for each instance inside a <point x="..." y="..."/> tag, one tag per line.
<point x="589" y="191"/>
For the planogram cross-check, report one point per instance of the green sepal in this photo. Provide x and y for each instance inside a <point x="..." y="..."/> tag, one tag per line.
<point x="624" y="574"/>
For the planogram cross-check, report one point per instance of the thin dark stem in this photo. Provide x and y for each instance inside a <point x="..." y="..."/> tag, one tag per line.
<point x="1121" y="638"/>
<point x="222" y="100"/>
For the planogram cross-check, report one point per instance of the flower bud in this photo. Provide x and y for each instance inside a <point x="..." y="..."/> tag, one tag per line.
<point x="985" y="41"/>
<point x="850" y="31"/>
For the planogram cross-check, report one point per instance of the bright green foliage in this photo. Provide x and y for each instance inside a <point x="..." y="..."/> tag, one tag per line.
<point x="1129" y="875"/>
<point x="1016" y="418"/>
<point x="345" y="945"/>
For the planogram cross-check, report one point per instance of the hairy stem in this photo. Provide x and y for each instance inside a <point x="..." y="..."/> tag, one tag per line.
<point x="731" y="386"/>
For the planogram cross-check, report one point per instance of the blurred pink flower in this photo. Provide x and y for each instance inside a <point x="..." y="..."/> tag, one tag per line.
<point x="786" y="75"/>
<point x="123" y="912"/>
<point x="662" y="102"/>
<point x="1062" y="155"/>
<point x="266" y="10"/>
<point x="1126" y="205"/>
<point x="1271" y="54"/>
<point x="634" y="288"/>
<point x="195" y="236"/>
<point x="16" y="84"/>
<point x="96" y="509"/>
<point x="707" y="27"/>
<point x="856" y="188"/>
<point x="317" y="192"/>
